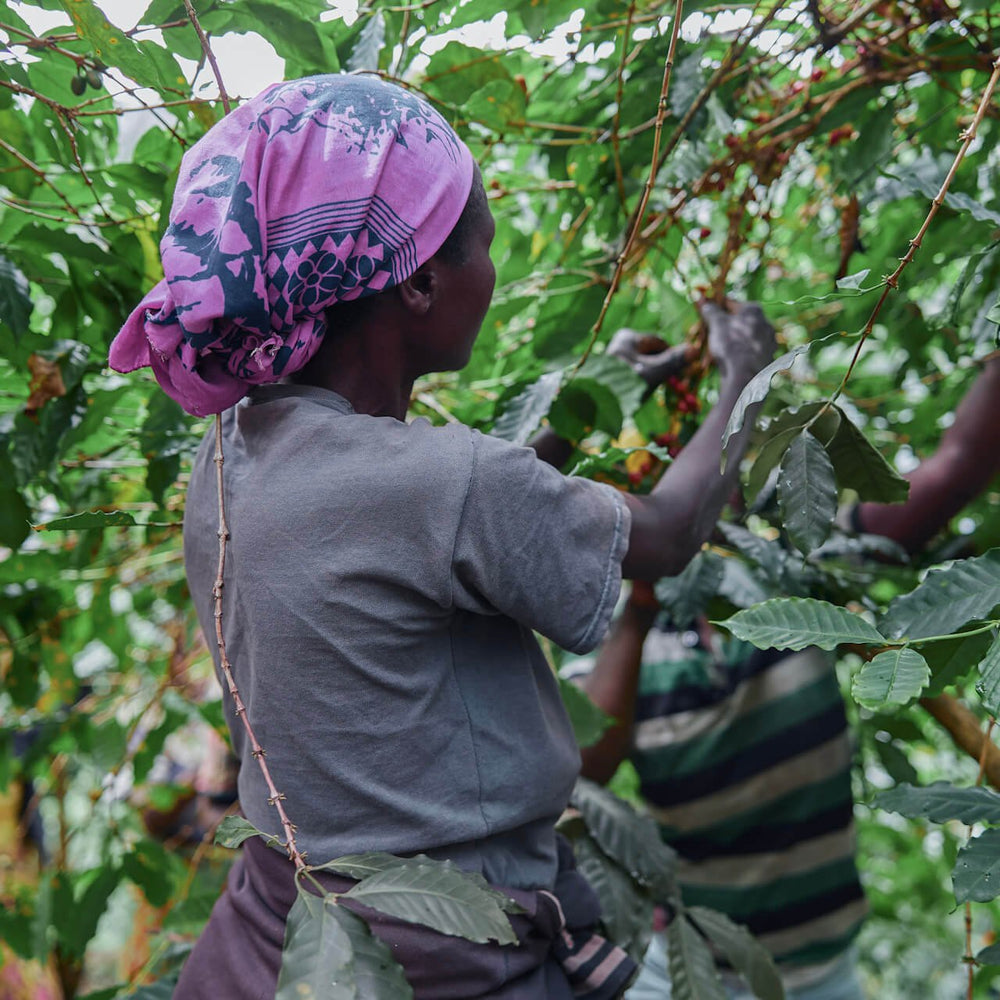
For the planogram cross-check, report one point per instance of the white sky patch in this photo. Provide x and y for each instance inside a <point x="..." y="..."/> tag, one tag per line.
<point x="346" y="9"/>
<point x="248" y="63"/>
<point x="905" y="460"/>
<point x="481" y="34"/>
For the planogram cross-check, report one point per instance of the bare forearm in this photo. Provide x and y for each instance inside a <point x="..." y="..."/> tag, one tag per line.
<point x="961" y="468"/>
<point x="612" y="686"/>
<point x="675" y="519"/>
<point x="551" y="448"/>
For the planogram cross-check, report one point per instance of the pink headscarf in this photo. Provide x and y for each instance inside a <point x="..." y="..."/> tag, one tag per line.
<point x="316" y="191"/>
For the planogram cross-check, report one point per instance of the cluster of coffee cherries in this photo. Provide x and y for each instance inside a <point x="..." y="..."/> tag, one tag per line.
<point x="683" y="405"/>
<point x="686" y="401"/>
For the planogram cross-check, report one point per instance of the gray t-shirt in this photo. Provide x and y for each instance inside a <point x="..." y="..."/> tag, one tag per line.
<point x="382" y="583"/>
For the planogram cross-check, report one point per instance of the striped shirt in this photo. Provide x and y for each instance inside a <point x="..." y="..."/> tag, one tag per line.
<point x="744" y="758"/>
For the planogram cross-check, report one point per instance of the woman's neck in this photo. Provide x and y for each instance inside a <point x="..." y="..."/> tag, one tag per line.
<point x="367" y="367"/>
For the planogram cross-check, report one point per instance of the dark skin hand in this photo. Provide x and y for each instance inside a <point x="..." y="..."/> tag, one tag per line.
<point x="651" y="359"/>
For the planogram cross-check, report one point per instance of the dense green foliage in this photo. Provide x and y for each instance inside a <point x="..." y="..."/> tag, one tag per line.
<point x="797" y="152"/>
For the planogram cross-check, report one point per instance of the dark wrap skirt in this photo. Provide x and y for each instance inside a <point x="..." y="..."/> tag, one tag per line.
<point x="559" y="956"/>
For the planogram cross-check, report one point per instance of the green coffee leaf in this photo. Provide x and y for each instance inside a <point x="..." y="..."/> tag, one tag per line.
<point x="693" y="975"/>
<point x="893" y="677"/>
<point x="233" y="830"/>
<point x="953" y="660"/>
<point x="611" y="457"/>
<point x="853" y="282"/>
<point x="993" y="316"/>
<point x="797" y="622"/>
<point x="361" y="866"/>
<point x="156" y="871"/>
<point x="369" y="45"/>
<point x="942" y="802"/>
<point x="87" y="520"/>
<point x="781" y="431"/>
<point x="588" y="721"/>
<point x="948" y="598"/>
<point x="437" y="896"/>
<point x="807" y="493"/>
<point x="756" y="390"/>
<point x="989" y="679"/>
<point x="626" y="906"/>
<point x="860" y="467"/>
<point x="749" y="958"/>
<point x="976" y="875"/>
<point x="330" y="954"/>
<point x="80" y="900"/>
<point x="686" y="596"/>
<point x="15" y="514"/>
<point x="15" y="297"/>
<point x="630" y="839"/>
<point x="956" y="200"/>
<point x="525" y="411"/>
<point x="110" y="44"/>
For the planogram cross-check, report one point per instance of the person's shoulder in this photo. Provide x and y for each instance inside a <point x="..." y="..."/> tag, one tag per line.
<point x="435" y="444"/>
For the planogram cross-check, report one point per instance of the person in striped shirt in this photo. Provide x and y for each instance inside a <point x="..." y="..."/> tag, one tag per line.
<point x="744" y="759"/>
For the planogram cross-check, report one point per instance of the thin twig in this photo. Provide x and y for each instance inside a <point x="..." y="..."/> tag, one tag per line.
<point x="661" y="111"/>
<point x="41" y="175"/>
<point x="209" y="54"/>
<point x="275" y="798"/>
<point x="32" y="41"/>
<point x="735" y="51"/>
<point x="136" y="96"/>
<point x="75" y="149"/>
<point x="616" y="121"/>
<point x="404" y="37"/>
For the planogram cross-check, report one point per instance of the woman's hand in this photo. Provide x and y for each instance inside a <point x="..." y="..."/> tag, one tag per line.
<point x="740" y="339"/>
<point x="652" y="359"/>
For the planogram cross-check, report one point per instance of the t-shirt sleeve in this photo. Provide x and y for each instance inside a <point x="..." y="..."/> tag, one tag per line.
<point x="543" y="548"/>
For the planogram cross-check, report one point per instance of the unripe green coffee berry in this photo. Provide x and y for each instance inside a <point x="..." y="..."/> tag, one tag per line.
<point x="78" y="85"/>
<point x="94" y="79"/>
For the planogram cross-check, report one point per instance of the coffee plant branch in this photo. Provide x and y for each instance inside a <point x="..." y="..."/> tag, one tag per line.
<point x="616" y="120"/>
<point x="209" y="55"/>
<point x="964" y="728"/>
<point x="661" y="111"/>
<point x="42" y="176"/>
<point x="735" y="51"/>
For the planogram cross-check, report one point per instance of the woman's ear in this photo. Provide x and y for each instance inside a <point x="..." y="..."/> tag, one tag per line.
<point x="419" y="291"/>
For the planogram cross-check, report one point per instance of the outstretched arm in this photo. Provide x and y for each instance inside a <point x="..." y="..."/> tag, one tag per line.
<point x="965" y="461"/>
<point x="670" y="524"/>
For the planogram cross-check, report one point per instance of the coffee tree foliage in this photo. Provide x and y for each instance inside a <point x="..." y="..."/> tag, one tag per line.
<point x="785" y="152"/>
